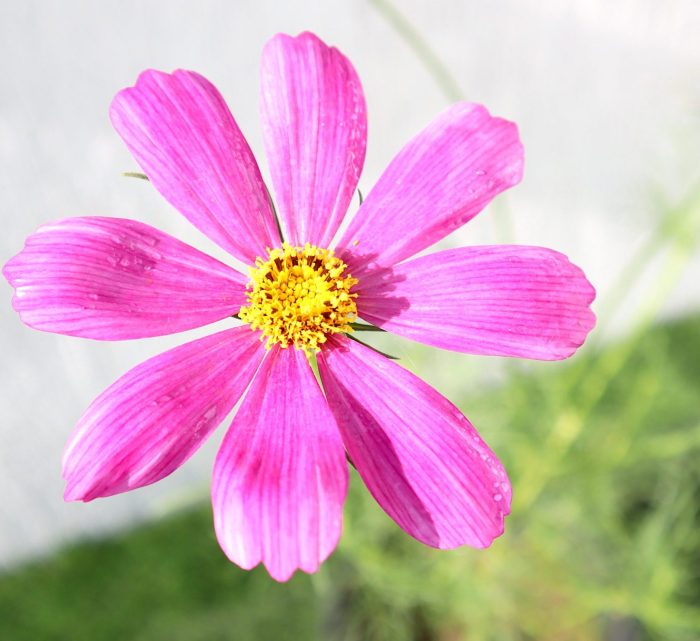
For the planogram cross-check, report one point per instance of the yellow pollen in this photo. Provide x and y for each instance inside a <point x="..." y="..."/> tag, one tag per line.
<point x="299" y="296"/>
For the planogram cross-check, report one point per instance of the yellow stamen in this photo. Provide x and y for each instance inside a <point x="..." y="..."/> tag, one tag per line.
<point x="299" y="296"/>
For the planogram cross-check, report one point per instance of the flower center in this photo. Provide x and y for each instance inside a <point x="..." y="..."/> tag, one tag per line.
<point x="300" y="295"/>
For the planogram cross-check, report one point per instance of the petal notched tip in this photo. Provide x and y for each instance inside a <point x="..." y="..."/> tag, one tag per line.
<point x="303" y="37"/>
<point x="279" y="574"/>
<point x="499" y="128"/>
<point x="584" y="293"/>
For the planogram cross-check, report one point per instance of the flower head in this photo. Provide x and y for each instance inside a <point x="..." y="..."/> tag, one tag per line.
<point x="300" y="296"/>
<point x="280" y="477"/>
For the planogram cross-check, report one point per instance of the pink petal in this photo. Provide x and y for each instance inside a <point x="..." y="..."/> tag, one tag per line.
<point x="280" y="477"/>
<point x="315" y="131"/>
<point x="183" y="135"/>
<point x="156" y="416"/>
<point x="441" y="179"/>
<point x="113" y="279"/>
<point x="504" y="300"/>
<point x="420" y="457"/>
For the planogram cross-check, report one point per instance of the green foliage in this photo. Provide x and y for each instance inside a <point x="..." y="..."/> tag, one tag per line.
<point x="167" y="581"/>
<point x="603" y="539"/>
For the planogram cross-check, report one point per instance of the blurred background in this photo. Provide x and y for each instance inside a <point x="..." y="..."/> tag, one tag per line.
<point x="602" y="449"/>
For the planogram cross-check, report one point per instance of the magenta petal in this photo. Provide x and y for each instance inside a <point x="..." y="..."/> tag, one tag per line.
<point x="315" y="131"/>
<point x="156" y="416"/>
<point x="280" y="477"/>
<point x="441" y="179"/>
<point x="113" y="279"/>
<point x="506" y="300"/>
<point x="420" y="457"/>
<point x="183" y="135"/>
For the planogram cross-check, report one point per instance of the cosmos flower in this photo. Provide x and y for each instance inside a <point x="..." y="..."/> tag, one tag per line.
<point x="281" y="474"/>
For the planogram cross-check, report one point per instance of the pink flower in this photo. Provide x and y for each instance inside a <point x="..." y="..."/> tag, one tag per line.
<point x="280" y="477"/>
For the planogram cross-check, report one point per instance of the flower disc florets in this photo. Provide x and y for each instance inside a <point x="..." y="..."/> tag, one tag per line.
<point x="300" y="295"/>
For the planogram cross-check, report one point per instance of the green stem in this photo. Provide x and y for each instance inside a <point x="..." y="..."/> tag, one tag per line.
<point x="374" y="349"/>
<point x="364" y="327"/>
<point x="445" y="80"/>
<point x="448" y="86"/>
<point x="667" y="229"/>
<point x="274" y="213"/>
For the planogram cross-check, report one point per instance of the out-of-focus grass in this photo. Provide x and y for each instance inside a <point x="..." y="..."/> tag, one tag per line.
<point x="165" y="581"/>
<point x="603" y="540"/>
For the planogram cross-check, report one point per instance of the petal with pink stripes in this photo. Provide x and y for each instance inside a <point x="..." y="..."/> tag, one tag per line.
<point x="419" y="456"/>
<point x="505" y="300"/>
<point x="156" y="416"/>
<point x="280" y="477"/>
<point x="179" y="129"/>
<point x="315" y="131"/>
<point x="114" y="279"/>
<point x="440" y="180"/>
